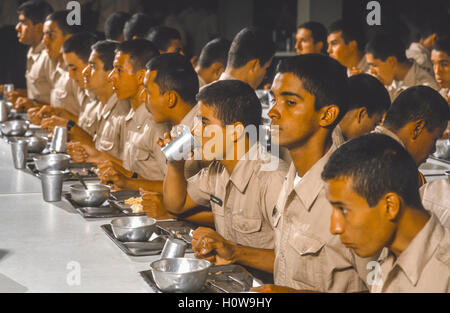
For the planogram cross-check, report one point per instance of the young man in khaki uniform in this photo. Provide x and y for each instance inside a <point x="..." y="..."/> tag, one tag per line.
<point x="112" y="110"/>
<point x="310" y="93"/>
<point x="371" y="182"/>
<point x="242" y="183"/>
<point x="386" y="57"/>
<point x="250" y="55"/>
<point x="346" y="45"/>
<point x="369" y="103"/>
<point x="212" y="61"/>
<point x="416" y="119"/>
<point x="29" y="32"/>
<point x="311" y="37"/>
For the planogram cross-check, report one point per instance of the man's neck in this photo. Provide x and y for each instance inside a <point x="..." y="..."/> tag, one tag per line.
<point x="401" y="70"/>
<point x="104" y="95"/>
<point x="410" y="223"/>
<point x="354" y="59"/>
<point x="230" y="162"/>
<point x="135" y="101"/>
<point x="239" y="73"/>
<point x="307" y="154"/>
<point x="180" y="111"/>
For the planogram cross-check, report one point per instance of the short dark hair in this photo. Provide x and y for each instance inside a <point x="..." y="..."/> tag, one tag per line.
<point x="140" y="51"/>
<point x="80" y="44"/>
<point x="114" y="25"/>
<point x="214" y="51"/>
<point x="377" y="164"/>
<point x="431" y="26"/>
<point x="105" y="50"/>
<point x="321" y="76"/>
<point x="60" y="17"/>
<point x="442" y="44"/>
<point x="36" y="11"/>
<point x="175" y="73"/>
<point x="383" y="45"/>
<point x="350" y="32"/>
<point x="162" y="35"/>
<point x="367" y="91"/>
<point x="418" y="103"/>
<point x="318" y="32"/>
<point x="138" y="25"/>
<point x="249" y="44"/>
<point x="233" y="101"/>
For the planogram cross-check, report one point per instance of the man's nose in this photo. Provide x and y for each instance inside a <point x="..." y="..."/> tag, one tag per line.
<point x="336" y="226"/>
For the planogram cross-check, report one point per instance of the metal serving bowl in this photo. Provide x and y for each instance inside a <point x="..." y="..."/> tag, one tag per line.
<point x="180" y="274"/>
<point x="442" y="149"/>
<point x="133" y="228"/>
<point x="14" y="128"/>
<point x="52" y="162"/>
<point x="94" y="196"/>
<point x="36" y="144"/>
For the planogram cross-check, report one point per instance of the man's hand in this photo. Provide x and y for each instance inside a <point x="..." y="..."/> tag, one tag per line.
<point x="153" y="205"/>
<point x="51" y="122"/>
<point x="77" y="152"/>
<point x="209" y="245"/>
<point x="13" y="95"/>
<point x="47" y="111"/>
<point x="32" y="115"/>
<point x="109" y="172"/>
<point x="22" y="104"/>
<point x="269" y="288"/>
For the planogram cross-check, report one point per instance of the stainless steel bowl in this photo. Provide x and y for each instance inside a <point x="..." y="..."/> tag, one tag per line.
<point x="94" y="196"/>
<point x="36" y="144"/>
<point x="442" y="149"/>
<point x="52" y="162"/>
<point x="14" y="128"/>
<point x="133" y="228"/>
<point x="180" y="274"/>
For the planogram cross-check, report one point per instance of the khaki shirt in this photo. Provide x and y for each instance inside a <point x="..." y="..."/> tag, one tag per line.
<point x="416" y="76"/>
<point x="307" y="255"/>
<point x="242" y="202"/>
<point x="107" y="136"/>
<point x="144" y="155"/>
<point x="436" y="199"/>
<point x="424" y="266"/>
<point x="132" y="123"/>
<point x="420" y="55"/>
<point x="88" y="117"/>
<point x="39" y="74"/>
<point x="338" y="136"/>
<point x="65" y="93"/>
<point x="362" y="65"/>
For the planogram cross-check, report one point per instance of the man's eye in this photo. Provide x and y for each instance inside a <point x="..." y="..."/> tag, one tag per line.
<point x="290" y="102"/>
<point x="343" y="210"/>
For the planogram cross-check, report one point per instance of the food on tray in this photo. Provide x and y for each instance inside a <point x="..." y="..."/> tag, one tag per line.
<point x="136" y="204"/>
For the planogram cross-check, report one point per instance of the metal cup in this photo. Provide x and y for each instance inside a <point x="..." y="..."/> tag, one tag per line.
<point x="52" y="183"/>
<point x="4" y="111"/>
<point x="7" y="88"/>
<point x="19" y="150"/>
<point x="182" y="145"/>
<point x="173" y="248"/>
<point x="59" y="140"/>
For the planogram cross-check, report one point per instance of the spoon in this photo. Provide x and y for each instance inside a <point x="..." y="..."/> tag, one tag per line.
<point x="81" y="180"/>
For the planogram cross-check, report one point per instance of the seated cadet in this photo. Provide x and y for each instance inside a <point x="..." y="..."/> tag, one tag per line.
<point x="371" y="182"/>
<point x="311" y="37"/>
<point x="346" y="45"/>
<point x="420" y="51"/>
<point x="64" y="90"/>
<point x="29" y="32"/>
<point x="107" y="136"/>
<point x="76" y="51"/>
<point x="251" y="53"/>
<point x="212" y="60"/>
<point x="166" y="39"/>
<point x="385" y="54"/>
<point x="310" y="95"/>
<point x="369" y="102"/>
<point x="436" y="200"/>
<point x="440" y="57"/>
<point x="170" y="86"/>
<point x="138" y="26"/>
<point x="416" y="119"/>
<point x="115" y="24"/>
<point x="242" y="183"/>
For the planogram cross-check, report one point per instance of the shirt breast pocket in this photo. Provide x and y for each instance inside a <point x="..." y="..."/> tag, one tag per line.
<point x="142" y="155"/>
<point x="107" y="139"/>
<point x="306" y="260"/>
<point x="246" y="225"/>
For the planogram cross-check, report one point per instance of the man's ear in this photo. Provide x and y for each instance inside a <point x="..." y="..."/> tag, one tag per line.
<point x="392" y="61"/>
<point x="217" y="69"/>
<point x="239" y="131"/>
<point x="253" y="65"/>
<point x="391" y="205"/>
<point x="318" y="46"/>
<point x="360" y="114"/>
<point x="171" y="98"/>
<point x="353" y="45"/>
<point x="140" y="76"/>
<point x="329" y="115"/>
<point x="419" y="126"/>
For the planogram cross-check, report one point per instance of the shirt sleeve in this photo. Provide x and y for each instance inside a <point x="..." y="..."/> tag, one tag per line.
<point x="198" y="187"/>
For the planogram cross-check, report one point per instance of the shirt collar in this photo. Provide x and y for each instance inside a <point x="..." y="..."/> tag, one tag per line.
<point x="245" y="167"/>
<point x="420" y="250"/>
<point x="311" y="183"/>
<point x="226" y="76"/>
<point x="109" y="106"/>
<point x="35" y="52"/>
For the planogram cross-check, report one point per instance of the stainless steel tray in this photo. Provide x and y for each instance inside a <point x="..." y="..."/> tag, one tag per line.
<point x="152" y="247"/>
<point x="84" y="169"/>
<point x="221" y="279"/>
<point x="178" y="229"/>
